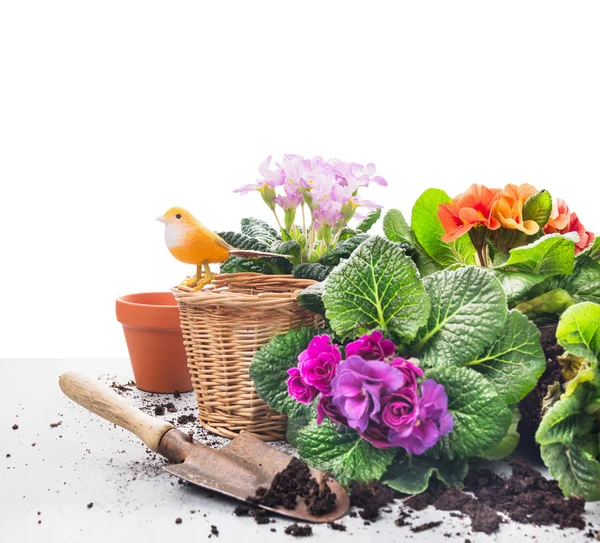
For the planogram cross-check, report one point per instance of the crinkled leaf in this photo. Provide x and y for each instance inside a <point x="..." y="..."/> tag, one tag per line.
<point x="269" y="368"/>
<point x="592" y="251"/>
<point x="342" y="250"/>
<point x="241" y="241"/>
<point x="238" y="264"/>
<point x="410" y="474"/>
<point x="312" y="298"/>
<point x="546" y="306"/>
<point x="566" y="419"/>
<point x="575" y="467"/>
<point x="516" y="285"/>
<point x="428" y="228"/>
<point x="300" y="419"/>
<point x="584" y="283"/>
<point x="367" y="223"/>
<point x="289" y="248"/>
<point x="347" y="233"/>
<point x="579" y="330"/>
<point x="550" y="255"/>
<point x="259" y="230"/>
<point x="396" y="229"/>
<point x="377" y="287"/>
<point x="315" y="271"/>
<point x="468" y="309"/>
<point x="515" y="361"/>
<point x="509" y="442"/>
<point x="481" y="417"/>
<point x="538" y="208"/>
<point x="342" y="452"/>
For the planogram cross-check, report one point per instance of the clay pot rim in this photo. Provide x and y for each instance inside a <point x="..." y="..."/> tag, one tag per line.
<point x="122" y="300"/>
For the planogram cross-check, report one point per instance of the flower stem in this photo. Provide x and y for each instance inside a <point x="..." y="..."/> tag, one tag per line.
<point x="277" y="219"/>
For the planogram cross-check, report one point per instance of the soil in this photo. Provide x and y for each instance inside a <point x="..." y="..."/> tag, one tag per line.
<point x="15" y="426"/>
<point x="90" y="505"/>
<point x="186" y="419"/>
<point x="426" y="526"/>
<point x="531" y="406"/>
<point x="294" y="482"/>
<point x="299" y="531"/>
<point x="338" y="527"/>
<point x="526" y="497"/>
<point x="370" y="498"/>
<point x="178" y="520"/>
<point x="56" y="424"/>
<point x="214" y="531"/>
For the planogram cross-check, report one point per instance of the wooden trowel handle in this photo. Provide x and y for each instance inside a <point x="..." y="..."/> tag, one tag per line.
<point x="102" y="401"/>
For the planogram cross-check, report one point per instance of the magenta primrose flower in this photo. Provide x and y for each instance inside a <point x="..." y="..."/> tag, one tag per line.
<point x="318" y="363"/>
<point x="371" y="347"/>
<point x="409" y="370"/>
<point x="358" y="387"/>
<point x="298" y="389"/>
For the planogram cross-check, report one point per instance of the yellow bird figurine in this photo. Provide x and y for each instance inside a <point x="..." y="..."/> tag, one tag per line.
<point x="189" y="241"/>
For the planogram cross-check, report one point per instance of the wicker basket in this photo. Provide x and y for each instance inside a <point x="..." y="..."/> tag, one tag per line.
<point x="223" y="326"/>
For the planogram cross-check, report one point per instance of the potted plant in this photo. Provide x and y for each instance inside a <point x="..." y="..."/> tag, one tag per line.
<point x="254" y="298"/>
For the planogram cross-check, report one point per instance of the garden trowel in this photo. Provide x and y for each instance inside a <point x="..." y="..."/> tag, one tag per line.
<point x="237" y="469"/>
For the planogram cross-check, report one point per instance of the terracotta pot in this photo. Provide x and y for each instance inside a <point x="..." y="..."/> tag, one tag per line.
<point x="155" y="342"/>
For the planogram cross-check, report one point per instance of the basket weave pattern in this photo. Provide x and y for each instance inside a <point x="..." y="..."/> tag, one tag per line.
<point x="223" y="327"/>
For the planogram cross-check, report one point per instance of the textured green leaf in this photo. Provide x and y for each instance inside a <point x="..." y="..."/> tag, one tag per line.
<point x="566" y="419"/>
<point x="481" y="417"/>
<point x="312" y="298"/>
<point x="538" y="208"/>
<point x="515" y="361"/>
<point x="269" y="368"/>
<point x="428" y="228"/>
<point x="396" y="229"/>
<point x="468" y="309"/>
<point x="238" y="264"/>
<point x="290" y="248"/>
<point x="410" y="474"/>
<point x="509" y="442"/>
<point x="259" y="230"/>
<point x="546" y="306"/>
<point x="367" y="223"/>
<point x="300" y="419"/>
<point x="342" y="452"/>
<point x="241" y="241"/>
<point x="342" y="250"/>
<point x="377" y="287"/>
<point x="549" y="255"/>
<point x="517" y="285"/>
<point x="315" y="271"/>
<point x="575" y="467"/>
<point x="584" y="283"/>
<point x="592" y="251"/>
<point x="579" y="330"/>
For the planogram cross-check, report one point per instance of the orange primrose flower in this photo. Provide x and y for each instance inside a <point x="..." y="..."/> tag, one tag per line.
<point x="571" y="223"/>
<point x="509" y="208"/>
<point x="472" y="208"/>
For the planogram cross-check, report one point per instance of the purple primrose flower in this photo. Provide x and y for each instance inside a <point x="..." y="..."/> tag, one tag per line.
<point x="318" y="363"/>
<point x="371" y="347"/>
<point x="298" y="389"/>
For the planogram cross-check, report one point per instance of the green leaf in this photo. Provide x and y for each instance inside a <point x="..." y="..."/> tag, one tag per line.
<point x="289" y="248"/>
<point x="547" y="305"/>
<point x="369" y="221"/>
<point x="592" y="251"/>
<point x="342" y="250"/>
<point x="584" y="283"/>
<point x="299" y="420"/>
<point x="549" y="255"/>
<point x="429" y="231"/>
<point x="516" y="285"/>
<point x="259" y="230"/>
<point x="396" y="229"/>
<point x="481" y="417"/>
<point x="269" y="368"/>
<point x="468" y="309"/>
<point x="238" y="264"/>
<point x="377" y="287"/>
<point x="410" y="474"/>
<point x="579" y="330"/>
<point x="515" y="361"/>
<point x="347" y="233"/>
<point x="241" y="241"/>
<point x="509" y="442"/>
<point x="342" y="452"/>
<point x="538" y="208"/>
<point x="575" y="467"/>
<point x="312" y="298"/>
<point x="566" y="419"/>
<point x="314" y="271"/>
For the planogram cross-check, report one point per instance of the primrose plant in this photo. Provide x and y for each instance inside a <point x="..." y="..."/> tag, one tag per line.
<point x="411" y="376"/>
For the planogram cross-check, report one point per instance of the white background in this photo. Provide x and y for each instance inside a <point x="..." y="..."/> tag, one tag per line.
<point x="113" y="111"/>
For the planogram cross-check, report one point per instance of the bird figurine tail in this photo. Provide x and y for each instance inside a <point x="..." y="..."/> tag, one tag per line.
<point x="254" y="254"/>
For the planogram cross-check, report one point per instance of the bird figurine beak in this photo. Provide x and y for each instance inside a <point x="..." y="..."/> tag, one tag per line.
<point x="162" y="219"/>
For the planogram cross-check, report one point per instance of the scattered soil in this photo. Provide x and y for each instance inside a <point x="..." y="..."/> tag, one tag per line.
<point x="176" y="394"/>
<point x="299" y="531"/>
<point x="56" y="424"/>
<point x="90" y="505"/>
<point x="337" y="526"/>
<point x="531" y="406"/>
<point x="294" y="482"/>
<point x="159" y="410"/>
<point x="370" y="498"/>
<point x="186" y="419"/>
<point x="127" y="387"/>
<point x="178" y="520"/>
<point x="15" y="427"/>
<point x="426" y="526"/>
<point x="214" y="531"/>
